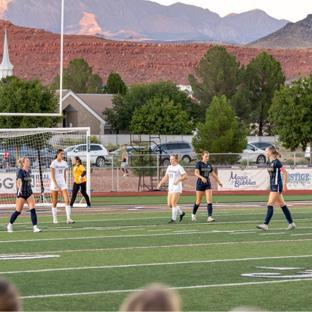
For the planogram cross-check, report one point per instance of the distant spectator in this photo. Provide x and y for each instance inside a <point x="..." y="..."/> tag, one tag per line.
<point x="124" y="161"/>
<point x="154" y="297"/>
<point x="9" y="297"/>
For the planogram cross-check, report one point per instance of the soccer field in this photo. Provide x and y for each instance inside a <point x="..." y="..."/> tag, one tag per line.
<point x="95" y="263"/>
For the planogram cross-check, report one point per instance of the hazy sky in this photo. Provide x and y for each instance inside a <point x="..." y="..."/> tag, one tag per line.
<point x="292" y="10"/>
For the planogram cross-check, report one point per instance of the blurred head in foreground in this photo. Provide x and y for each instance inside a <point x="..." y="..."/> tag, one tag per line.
<point x="9" y="297"/>
<point x="154" y="297"/>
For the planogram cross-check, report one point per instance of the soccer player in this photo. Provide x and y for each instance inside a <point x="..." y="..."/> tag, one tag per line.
<point x="203" y="170"/>
<point x="58" y="183"/>
<point x="80" y="181"/>
<point x="24" y="195"/>
<point x="175" y="174"/>
<point x="275" y="168"/>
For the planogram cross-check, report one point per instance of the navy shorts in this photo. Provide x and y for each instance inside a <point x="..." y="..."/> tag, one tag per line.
<point x="24" y="195"/>
<point x="276" y="188"/>
<point x="202" y="187"/>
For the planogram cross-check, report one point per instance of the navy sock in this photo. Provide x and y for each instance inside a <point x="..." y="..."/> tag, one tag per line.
<point x="269" y="215"/>
<point x="209" y="210"/>
<point x="14" y="215"/>
<point x="195" y="208"/>
<point x="33" y="216"/>
<point x="287" y="214"/>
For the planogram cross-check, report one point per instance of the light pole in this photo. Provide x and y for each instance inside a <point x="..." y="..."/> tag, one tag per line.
<point x="61" y="58"/>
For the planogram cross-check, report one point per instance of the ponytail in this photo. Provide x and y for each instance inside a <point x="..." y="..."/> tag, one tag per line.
<point x="274" y="151"/>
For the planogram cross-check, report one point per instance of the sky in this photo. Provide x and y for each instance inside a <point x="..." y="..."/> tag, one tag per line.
<point x="292" y="10"/>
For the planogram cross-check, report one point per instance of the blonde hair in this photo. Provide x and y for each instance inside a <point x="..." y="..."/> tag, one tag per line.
<point x="203" y="153"/>
<point x="154" y="297"/>
<point x="175" y="156"/>
<point x="9" y="297"/>
<point x="21" y="161"/>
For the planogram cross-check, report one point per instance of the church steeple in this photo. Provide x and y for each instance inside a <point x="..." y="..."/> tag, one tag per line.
<point x="6" y="68"/>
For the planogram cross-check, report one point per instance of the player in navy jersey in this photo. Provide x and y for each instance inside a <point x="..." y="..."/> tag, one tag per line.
<point x="24" y="195"/>
<point x="203" y="170"/>
<point x="275" y="168"/>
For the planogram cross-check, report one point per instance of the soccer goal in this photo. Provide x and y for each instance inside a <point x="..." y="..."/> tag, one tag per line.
<point x="40" y="146"/>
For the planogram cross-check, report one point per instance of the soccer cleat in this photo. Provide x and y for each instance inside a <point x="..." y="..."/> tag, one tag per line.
<point x="70" y="221"/>
<point x="181" y="216"/>
<point x="36" y="229"/>
<point x="10" y="228"/>
<point x="172" y="222"/>
<point x="194" y="218"/>
<point x="55" y="221"/>
<point x="263" y="227"/>
<point x="211" y="219"/>
<point x="291" y="226"/>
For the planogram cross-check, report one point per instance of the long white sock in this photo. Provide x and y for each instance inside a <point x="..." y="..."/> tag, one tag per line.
<point x="54" y="213"/>
<point x="174" y="213"/>
<point x="180" y="211"/>
<point x="68" y="212"/>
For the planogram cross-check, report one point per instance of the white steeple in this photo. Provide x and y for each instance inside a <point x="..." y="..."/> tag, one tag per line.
<point x="6" y="68"/>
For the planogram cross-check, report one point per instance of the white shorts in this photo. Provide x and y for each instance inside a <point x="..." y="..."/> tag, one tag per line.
<point x="61" y="184"/>
<point x="175" y="189"/>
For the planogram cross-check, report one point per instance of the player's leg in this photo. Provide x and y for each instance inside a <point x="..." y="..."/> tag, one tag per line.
<point x="83" y="189"/>
<point x="54" y="196"/>
<point x="33" y="214"/>
<point x="281" y="202"/>
<point x="180" y="212"/>
<point x="67" y="206"/>
<point x="273" y="198"/>
<point x="74" y="194"/>
<point x="18" y="209"/>
<point x="209" y="205"/>
<point x="199" y="196"/>
<point x="174" y="212"/>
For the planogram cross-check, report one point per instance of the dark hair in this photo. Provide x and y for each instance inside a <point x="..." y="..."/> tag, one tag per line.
<point x="78" y="159"/>
<point x="274" y="151"/>
<point x="176" y="156"/>
<point x="9" y="297"/>
<point x="60" y="150"/>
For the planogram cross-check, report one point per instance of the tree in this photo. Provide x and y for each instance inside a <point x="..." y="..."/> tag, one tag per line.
<point x="291" y="114"/>
<point x="160" y="116"/>
<point x="119" y="117"/>
<point x="115" y="85"/>
<point x="217" y="74"/>
<point x="22" y="96"/>
<point x="221" y="132"/>
<point x="79" y="78"/>
<point x="263" y="77"/>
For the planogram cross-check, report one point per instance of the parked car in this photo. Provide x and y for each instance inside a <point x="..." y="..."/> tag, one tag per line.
<point x="98" y="154"/>
<point x="183" y="149"/>
<point x="254" y="154"/>
<point x="261" y="145"/>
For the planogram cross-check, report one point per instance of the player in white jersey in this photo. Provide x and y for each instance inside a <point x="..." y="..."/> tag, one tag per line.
<point x="59" y="169"/>
<point x="175" y="174"/>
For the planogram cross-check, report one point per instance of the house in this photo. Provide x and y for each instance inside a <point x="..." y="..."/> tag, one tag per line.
<point x="86" y="110"/>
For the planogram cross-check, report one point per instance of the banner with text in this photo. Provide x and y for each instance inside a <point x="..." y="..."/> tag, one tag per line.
<point x="299" y="179"/>
<point x="243" y="180"/>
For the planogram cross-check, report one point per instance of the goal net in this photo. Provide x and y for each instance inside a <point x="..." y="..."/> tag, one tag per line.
<point x="40" y="146"/>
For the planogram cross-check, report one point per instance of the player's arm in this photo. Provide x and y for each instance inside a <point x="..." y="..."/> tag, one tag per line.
<point x="19" y="185"/>
<point x="52" y="170"/>
<point x="65" y="175"/>
<point x="197" y="174"/>
<point x="215" y="176"/>
<point x="285" y="177"/>
<point x="163" y="180"/>
<point x="184" y="176"/>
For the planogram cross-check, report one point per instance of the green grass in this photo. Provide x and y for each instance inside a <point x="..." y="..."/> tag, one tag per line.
<point x="125" y="250"/>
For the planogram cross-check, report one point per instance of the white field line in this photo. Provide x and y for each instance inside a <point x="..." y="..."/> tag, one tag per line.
<point x="137" y="265"/>
<point x="92" y="293"/>
<point x="165" y="225"/>
<point x="168" y="246"/>
<point x="127" y="236"/>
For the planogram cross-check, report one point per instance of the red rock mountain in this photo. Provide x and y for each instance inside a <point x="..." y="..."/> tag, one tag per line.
<point x="35" y="54"/>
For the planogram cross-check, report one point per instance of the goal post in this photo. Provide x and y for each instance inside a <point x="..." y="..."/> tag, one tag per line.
<point x="40" y="146"/>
